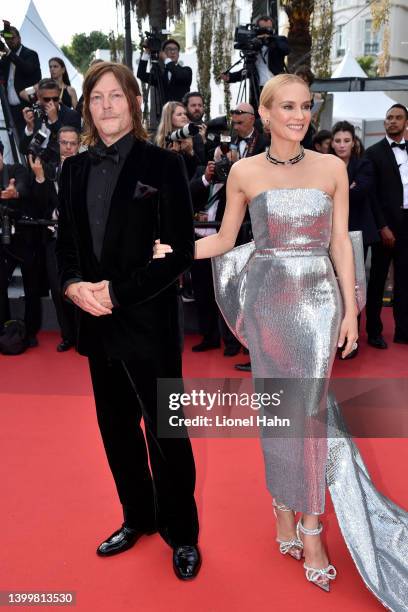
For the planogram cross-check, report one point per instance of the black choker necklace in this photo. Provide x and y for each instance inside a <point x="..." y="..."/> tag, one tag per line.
<point x="293" y="160"/>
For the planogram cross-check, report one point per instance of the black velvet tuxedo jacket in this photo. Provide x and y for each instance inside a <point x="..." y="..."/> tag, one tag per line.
<point x="28" y="71"/>
<point x="388" y="189"/>
<point x="151" y="199"/>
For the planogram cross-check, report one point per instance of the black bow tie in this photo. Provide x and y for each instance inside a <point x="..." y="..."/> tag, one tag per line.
<point x="400" y="145"/>
<point x="247" y="139"/>
<point x="98" y="153"/>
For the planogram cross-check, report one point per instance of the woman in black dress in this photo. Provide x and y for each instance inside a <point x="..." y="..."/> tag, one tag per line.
<point x="58" y="72"/>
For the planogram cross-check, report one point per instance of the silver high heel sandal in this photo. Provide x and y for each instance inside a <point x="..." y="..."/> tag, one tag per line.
<point x="319" y="577"/>
<point x="292" y="547"/>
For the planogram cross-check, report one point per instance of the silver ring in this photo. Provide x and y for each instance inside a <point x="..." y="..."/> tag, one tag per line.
<point x="354" y="346"/>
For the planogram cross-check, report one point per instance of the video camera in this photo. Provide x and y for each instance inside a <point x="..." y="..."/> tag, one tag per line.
<point x="247" y="38"/>
<point x="153" y="42"/>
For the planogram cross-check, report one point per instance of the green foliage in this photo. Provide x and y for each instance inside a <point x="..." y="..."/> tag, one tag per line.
<point x="369" y="64"/>
<point x="179" y="33"/>
<point x="82" y="48"/>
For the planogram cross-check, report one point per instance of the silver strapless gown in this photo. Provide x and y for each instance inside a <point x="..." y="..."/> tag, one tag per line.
<point x="292" y="315"/>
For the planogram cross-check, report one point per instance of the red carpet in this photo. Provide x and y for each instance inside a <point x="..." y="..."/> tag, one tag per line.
<point x="58" y="500"/>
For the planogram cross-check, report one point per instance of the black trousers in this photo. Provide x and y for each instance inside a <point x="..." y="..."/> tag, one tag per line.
<point x="64" y="310"/>
<point x="381" y="258"/>
<point x="125" y="391"/>
<point x="26" y="255"/>
<point x="209" y="318"/>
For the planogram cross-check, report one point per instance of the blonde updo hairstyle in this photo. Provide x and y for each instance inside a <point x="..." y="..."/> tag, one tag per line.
<point x="273" y="85"/>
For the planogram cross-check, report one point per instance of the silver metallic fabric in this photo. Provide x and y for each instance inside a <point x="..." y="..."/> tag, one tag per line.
<point x="292" y="310"/>
<point x="230" y="279"/>
<point x="374" y="528"/>
<point x="292" y="314"/>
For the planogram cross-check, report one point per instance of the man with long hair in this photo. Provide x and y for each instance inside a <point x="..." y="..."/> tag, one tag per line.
<point x="115" y="199"/>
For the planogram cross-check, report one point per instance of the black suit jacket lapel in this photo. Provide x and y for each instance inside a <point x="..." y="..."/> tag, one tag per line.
<point x="79" y="172"/>
<point x="389" y="155"/>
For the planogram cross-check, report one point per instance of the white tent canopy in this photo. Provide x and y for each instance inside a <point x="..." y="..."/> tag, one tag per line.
<point x="35" y="35"/>
<point x="357" y="105"/>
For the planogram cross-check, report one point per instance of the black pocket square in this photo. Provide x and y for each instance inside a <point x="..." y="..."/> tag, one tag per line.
<point x="143" y="191"/>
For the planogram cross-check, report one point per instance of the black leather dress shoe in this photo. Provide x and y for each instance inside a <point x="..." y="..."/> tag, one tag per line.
<point x="63" y="346"/>
<point x="377" y="342"/>
<point x="121" y="540"/>
<point x="231" y="351"/>
<point x="186" y="562"/>
<point x="205" y="346"/>
<point x="243" y="367"/>
<point x="400" y="340"/>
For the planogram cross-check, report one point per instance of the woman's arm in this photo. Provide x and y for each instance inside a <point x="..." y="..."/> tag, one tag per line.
<point x="74" y="97"/>
<point x="224" y="240"/>
<point x="342" y="256"/>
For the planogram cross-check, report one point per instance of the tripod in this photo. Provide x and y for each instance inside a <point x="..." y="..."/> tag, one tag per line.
<point x="249" y="72"/>
<point x="158" y="98"/>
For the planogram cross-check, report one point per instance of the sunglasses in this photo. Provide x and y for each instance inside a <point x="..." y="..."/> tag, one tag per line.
<point x="241" y="112"/>
<point x="53" y="98"/>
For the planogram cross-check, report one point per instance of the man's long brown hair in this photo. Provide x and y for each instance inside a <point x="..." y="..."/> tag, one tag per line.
<point x="128" y="83"/>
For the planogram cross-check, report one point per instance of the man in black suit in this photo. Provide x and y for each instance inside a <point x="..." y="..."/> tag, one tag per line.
<point x="19" y="69"/>
<point x="270" y="60"/>
<point x="54" y="116"/>
<point x="390" y="160"/>
<point x="115" y="199"/>
<point x="45" y="196"/>
<point x="22" y="251"/>
<point x="210" y="196"/>
<point x="175" y="80"/>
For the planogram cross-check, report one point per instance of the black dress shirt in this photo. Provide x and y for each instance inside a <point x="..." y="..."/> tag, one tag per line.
<point x="102" y="180"/>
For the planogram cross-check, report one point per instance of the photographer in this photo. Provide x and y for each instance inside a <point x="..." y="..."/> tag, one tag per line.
<point x="45" y="196"/>
<point x="194" y="105"/>
<point x="19" y="68"/>
<point x="248" y="140"/>
<point x="48" y="115"/>
<point x="174" y="117"/>
<point x="270" y="51"/>
<point x="208" y="191"/>
<point x="175" y="79"/>
<point x="20" y="247"/>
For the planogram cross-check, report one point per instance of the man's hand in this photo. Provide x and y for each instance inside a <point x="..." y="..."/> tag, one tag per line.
<point x="83" y="296"/>
<point x="52" y="111"/>
<point x="209" y="171"/>
<point x="10" y="192"/>
<point x="36" y="167"/>
<point x="387" y="237"/>
<point x="203" y="131"/>
<point x="29" y="118"/>
<point x="103" y="296"/>
<point x="224" y="77"/>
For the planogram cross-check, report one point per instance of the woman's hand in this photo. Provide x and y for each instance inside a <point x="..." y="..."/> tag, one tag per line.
<point x="348" y="334"/>
<point x="160" y="250"/>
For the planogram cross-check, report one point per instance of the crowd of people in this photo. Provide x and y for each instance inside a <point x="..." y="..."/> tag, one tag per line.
<point x="48" y="118"/>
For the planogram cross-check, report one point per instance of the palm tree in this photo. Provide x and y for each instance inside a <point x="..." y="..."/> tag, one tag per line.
<point x="159" y="10"/>
<point x="299" y="36"/>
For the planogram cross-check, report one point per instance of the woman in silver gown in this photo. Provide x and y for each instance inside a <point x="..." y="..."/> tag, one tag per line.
<point x="296" y="316"/>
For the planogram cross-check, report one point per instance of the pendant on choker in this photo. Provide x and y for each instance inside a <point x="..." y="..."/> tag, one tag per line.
<point x="289" y="162"/>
